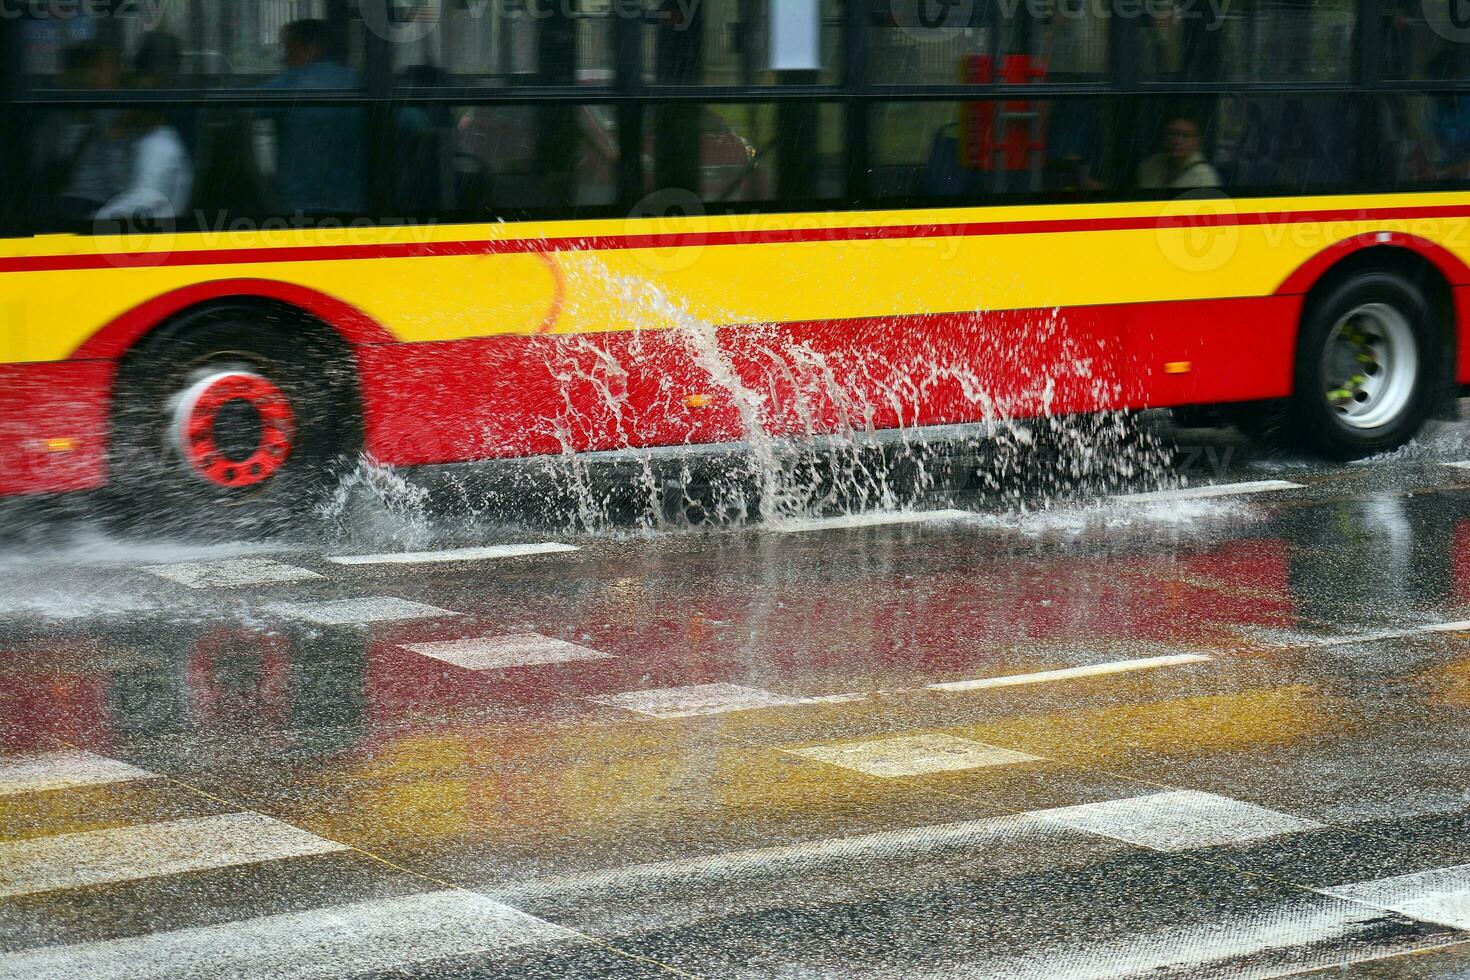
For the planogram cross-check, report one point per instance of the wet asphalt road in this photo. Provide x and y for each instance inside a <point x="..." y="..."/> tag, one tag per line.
<point x="1222" y="737"/>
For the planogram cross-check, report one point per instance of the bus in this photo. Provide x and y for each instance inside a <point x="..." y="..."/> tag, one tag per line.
<point x="243" y="242"/>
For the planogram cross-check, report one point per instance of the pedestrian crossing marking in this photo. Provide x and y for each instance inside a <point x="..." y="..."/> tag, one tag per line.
<point x="488" y="553"/>
<point x="362" y="938"/>
<point x="500" y="652"/>
<point x="1208" y="492"/>
<point x="101" y="857"/>
<point x="39" y="772"/>
<point x="1441" y="896"/>
<point x="1070" y="673"/>
<point x="356" y="612"/>
<point x="1178" y="820"/>
<point x="696" y="699"/>
<point x="912" y="755"/>
<point x="798" y="525"/>
<point x="231" y="573"/>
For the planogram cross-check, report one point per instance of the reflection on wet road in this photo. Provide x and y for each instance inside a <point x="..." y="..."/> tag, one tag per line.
<point x="1204" y="735"/>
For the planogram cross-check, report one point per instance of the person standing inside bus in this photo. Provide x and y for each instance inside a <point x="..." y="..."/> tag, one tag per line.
<point x="83" y="156"/>
<point x="1182" y="165"/>
<point x="161" y="173"/>
<point x="318" y="150"/>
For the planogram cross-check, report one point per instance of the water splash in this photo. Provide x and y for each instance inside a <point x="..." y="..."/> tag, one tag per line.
<point x="763" y="422"/>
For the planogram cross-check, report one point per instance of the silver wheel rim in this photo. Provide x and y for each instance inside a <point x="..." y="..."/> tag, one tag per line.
<point x="1370" y="365"/>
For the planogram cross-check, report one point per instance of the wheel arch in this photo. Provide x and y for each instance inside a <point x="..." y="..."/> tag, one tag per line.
<point x="1430" y="267"/>
<point x="324" y="325"/>
<point x="347" y="324"/>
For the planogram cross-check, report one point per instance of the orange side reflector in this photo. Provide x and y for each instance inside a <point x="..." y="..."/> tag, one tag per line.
<point x="1178" y="367"/>
<point x="64" y="444"/>
<point x="698" y="401"/>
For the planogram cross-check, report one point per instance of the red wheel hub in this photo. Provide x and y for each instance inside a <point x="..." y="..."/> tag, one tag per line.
<point x="235" y="429"/>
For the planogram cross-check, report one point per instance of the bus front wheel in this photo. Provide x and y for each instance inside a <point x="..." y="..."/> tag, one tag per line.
<point x="231" y="422"/>
<point x="1367" y="354"/>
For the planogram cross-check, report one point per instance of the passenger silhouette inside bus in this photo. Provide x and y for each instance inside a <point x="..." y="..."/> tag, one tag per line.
<point x="1182" y="164"/>
<point x="319" y="167"/>
<point x="160" y="174"/>
<point x="82" y="156"/>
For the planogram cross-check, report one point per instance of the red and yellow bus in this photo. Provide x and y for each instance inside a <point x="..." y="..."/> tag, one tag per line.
<point x="244" y="242"/>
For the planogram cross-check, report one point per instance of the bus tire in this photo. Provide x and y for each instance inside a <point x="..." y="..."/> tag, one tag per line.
<point x="234" y="422"/>
<point x="1367" y="357"/>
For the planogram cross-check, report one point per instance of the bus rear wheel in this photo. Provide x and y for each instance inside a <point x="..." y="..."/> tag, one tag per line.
<point x="1365" y="363"/>
<point x="228" y="424"/>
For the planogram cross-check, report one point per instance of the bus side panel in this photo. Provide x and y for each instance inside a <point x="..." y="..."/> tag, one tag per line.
<point x="506" y="396"/>
<point x="1462" y="334"/>
<point x="53" y="426"/>
<point x="1203" y="352"/>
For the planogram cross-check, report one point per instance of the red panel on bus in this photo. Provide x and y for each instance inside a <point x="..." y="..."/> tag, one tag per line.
<point x="53" y="426"/>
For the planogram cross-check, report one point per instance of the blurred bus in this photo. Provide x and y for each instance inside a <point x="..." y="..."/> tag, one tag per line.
<point x="244" y="242"/>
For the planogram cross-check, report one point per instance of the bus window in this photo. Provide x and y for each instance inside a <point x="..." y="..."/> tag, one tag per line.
<point x="503" y="160"/>
<point x="1294" y="144"/>
<point x="215" y="43"/>
<point x="1255" y="41"/>
<point x="743" y="42"/>
<point x="746" y="152"/>
<point x="991" y="148"/>
<point x="499" y="44"/>
<point x="915" y="42"/>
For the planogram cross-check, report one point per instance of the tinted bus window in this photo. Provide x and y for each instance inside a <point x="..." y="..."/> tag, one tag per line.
<point x="988" y="149"/>
<point x="1425" y="139"/>
<point x="1249" y="41"/>
<point x="502" y="160"/>
<point x="742" y="42"/>
<point x="501" y="43"/>
<point x="747" y="152"/>
<point x="211" y="166"/>
<point x="183" y="43"/>
<point x="916" y="42"/>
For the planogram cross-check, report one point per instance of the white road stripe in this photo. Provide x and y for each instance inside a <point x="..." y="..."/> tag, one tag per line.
<point x="696" y="699"/>
<point x="1213" y="490"/>
<point x="455" y="554"/>
<point x="42" y="771"/>
<point x="102" y="857"/>
<point x="500" y="652"/>
<point x="803" y="524"/>
<point x="1441" y="895"/>
<point x="1377" y="636"/>
<point x="1461" y="465"/>
<point x="356" y="612"/>
<point x="1280" y="940"/>
<point x="1178" y="820"/>
<point x="1068" y="673"/>
<point x="231" y="573"/>
<point x="364" y="938"/>
<point x="788" y="859"/>
<point x="912" y="755"/>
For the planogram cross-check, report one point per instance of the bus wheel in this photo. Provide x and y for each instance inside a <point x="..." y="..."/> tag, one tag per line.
<point x="1366" y="356"/>
<point x="230" y="424"/>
